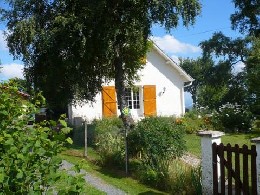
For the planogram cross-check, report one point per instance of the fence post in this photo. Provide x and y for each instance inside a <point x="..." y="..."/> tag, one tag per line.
<point x="85" y="139"/>
<point x="257" y="142"/>
<point x="207" y="139"/>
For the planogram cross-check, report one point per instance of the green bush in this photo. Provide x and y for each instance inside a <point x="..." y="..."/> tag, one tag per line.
<point x="109" y="140"/>
<point x="232" y="118"/>
<point x="28" y="154"/>
<point x="157" y="140"/>
<point x="256" y="125"/>
<point x="196" y="120"/>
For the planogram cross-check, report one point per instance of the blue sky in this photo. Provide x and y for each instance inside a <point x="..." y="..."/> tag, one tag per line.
<point x="181" y="42"/>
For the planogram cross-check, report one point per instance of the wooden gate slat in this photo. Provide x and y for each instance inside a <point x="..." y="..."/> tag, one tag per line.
<point x="245" y="170"/>
<point x="229" y="167"/>
<point x="237" y="170"/>
<point x="253" y="170"/>
<point x="222" y="167"/>
<point x="215" y="168"/>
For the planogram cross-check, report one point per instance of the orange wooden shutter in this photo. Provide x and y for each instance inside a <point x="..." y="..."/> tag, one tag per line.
<point x="109" y="101"/>
<point x="149" y="100"/>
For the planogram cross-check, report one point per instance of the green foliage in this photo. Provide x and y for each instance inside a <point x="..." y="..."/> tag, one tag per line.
<point x="113" y="124"/>
<point x="199" y="70"/>
<point x="109" y="140"/>
<point x="232" y="118"/>
<point x="67" y="184"/>
<point x="256" y="125"/>
<point x="193" y="125"/>
<point x="28" y="154"/>
<point x="158" y="140"/>
<point x="60" y="36"/>
<point x="252" y="77"/>
<point x="195" y="120"/>
<point x="184" y="179"/>
<point x="214" y="83"/>
<point x="246" y="16"/>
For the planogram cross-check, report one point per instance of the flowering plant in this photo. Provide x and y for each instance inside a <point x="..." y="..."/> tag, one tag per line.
<point x="233" y="117"/>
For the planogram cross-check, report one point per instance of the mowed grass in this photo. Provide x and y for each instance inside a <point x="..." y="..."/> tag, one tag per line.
<point x="111" y="176"/>
<point x="193" y="142"/>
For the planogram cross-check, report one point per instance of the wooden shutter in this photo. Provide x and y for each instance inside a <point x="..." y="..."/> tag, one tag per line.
<point x="149" y="100"/>
<point x="109" y="101"/>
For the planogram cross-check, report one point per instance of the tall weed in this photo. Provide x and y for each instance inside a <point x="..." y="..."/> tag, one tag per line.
<point x="183" y="178"/>
<point x="109" y="140"/>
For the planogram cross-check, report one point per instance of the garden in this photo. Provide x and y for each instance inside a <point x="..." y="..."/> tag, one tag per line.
<point x="155" y="148"/>
<point x="156" y="145"/>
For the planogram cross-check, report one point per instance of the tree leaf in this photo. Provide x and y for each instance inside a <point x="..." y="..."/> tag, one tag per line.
<point x="69" y="140"/>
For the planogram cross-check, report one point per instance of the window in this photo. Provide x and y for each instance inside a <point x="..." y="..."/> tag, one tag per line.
<point x="133" y="98"/>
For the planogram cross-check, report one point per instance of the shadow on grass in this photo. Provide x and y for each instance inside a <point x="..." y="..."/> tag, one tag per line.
<point x="112" y="172"/>
<point x="75" y="146"/>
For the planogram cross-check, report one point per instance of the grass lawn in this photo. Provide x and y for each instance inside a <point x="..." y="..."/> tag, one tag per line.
<point x="193" y="145"/>
<point x="193" y="141"/>
<point x="113" y="177"/>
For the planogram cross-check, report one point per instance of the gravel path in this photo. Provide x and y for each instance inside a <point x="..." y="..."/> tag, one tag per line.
<point x="191" y="159"/>
<point x="93" y="180"/>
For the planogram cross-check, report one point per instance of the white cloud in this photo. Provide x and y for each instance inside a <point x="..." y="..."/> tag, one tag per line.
<point x="3" y="45"/>
<point x="238" y="67"/>
<point x="171" y="45"/>
<point x="11" y="70"/>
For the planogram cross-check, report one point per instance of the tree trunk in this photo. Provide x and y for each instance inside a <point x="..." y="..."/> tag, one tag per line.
<point x="120" y="90"/>
<point x="121" y="100"/>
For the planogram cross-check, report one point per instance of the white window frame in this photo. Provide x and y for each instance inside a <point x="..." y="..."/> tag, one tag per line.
<point x="134" y="98"/>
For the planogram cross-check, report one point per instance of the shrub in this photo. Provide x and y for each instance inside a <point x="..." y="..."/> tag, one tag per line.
<point x="28" y="154"/>
<point x="232" y="118"/>
<point x="196" y="120"/>
<point x="109" y="140"/>
<point x="158" y="140"/>
<point x="256" y="125"/>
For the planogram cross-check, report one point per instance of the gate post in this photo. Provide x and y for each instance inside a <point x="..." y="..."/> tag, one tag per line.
<point x="257" y="142"/>
<point x="207" y="139"/>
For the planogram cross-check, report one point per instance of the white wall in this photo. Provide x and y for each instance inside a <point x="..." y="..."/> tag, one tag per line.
<point x="156" y="72"/>
<point x="163" y="75"/>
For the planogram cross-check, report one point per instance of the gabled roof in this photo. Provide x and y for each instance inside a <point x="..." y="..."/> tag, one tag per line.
<point x="172" y="63"/>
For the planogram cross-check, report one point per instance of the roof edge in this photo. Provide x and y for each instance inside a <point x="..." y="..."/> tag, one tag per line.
<point x="172" y="62"/>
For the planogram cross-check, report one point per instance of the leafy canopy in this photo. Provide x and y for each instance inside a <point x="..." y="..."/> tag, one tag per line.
<point x="71" y="47"/>
<point x="246" y="18"/>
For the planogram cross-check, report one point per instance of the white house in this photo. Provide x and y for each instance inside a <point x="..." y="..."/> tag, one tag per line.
<point x="160" y="91"/>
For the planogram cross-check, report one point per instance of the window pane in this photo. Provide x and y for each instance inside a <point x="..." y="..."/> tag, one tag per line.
<point x="129" y="97"/>
<point x="136" y="98"/>
<point x="132" y="98"/>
